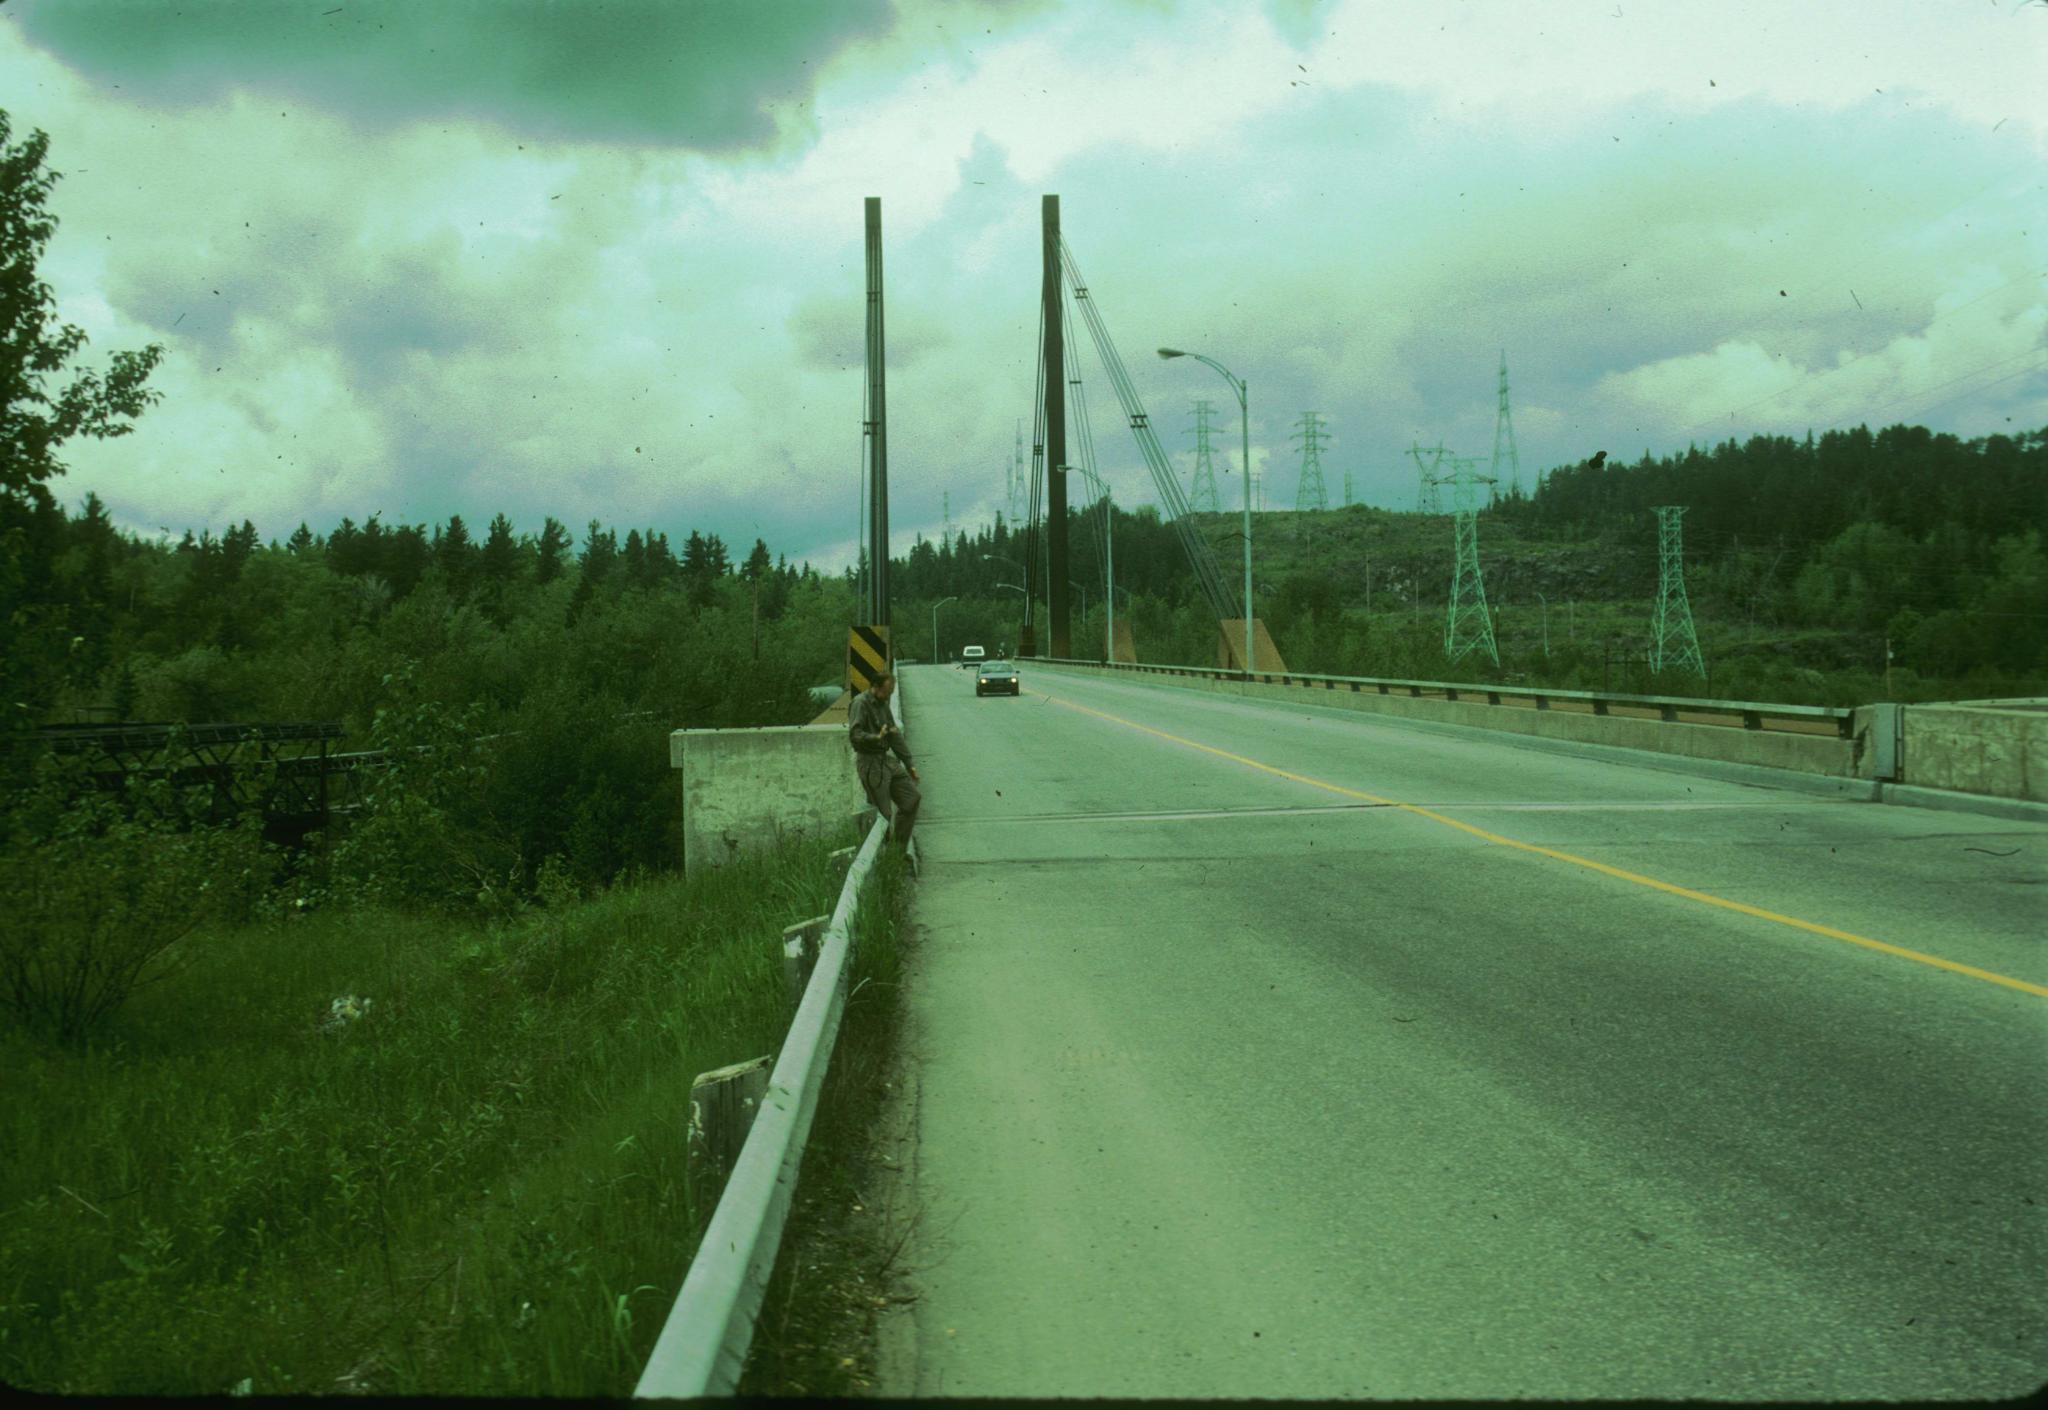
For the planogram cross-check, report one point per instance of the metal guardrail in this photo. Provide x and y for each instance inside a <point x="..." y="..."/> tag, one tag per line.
<point x="1741" y="714"/>
<point x="703" y="1345"/>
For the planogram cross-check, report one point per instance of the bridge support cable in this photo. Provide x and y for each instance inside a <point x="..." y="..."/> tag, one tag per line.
<point x="1027" y="643"/>
<point x="1084" y="437"/>
<point x="1201" y="557"/>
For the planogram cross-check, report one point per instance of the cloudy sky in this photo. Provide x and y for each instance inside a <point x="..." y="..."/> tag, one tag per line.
<point x="415" y="257"/>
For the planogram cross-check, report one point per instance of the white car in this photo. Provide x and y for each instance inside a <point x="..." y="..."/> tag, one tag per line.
<point x="972" y="656"/>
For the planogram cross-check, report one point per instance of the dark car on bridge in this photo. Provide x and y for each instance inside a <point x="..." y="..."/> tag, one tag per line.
<point x="996" y="678"/>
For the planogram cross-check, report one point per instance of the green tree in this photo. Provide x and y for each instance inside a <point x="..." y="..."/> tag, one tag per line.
<point x="554" y="542"/>
<point x="454" y="555"/>
<point x="500" y="561"/>
<point x="33" y="424"/>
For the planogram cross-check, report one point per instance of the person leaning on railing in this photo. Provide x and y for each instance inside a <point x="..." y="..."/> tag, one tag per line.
<point x="872" y="731"/>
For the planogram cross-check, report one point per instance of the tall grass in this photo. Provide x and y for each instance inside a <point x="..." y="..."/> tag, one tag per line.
<point x="383" y="1153"/>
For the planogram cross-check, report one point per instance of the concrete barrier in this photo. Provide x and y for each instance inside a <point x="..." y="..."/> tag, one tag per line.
<point x="1996" y="747"/>
<point x="743" y="789"/>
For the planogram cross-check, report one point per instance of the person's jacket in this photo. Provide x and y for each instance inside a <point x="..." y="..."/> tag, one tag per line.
<point x="865" y="723"/>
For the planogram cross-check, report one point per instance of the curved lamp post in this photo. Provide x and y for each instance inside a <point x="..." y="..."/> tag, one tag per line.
<point x="935" y="624"/>
<point x="1244" y="418"/>
<point x="1022" y="572"/>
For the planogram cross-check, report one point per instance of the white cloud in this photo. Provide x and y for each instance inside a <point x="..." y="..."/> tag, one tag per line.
<point x="431" y="319"/>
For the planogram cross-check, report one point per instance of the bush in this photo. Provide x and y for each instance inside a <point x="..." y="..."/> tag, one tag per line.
<point x="99" y="890"/>
<point x="424" y="837"/>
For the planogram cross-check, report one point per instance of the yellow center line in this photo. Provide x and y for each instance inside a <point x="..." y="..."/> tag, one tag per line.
<point x="1814" y="928"/>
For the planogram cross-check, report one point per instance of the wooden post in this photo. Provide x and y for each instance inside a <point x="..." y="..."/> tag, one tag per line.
<point x="799" y="953"/>
<point x="722" y="1107"/>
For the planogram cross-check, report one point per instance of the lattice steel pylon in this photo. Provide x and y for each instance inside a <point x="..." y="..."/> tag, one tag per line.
<point x="1202" y="485"/>
<point x="1308" y="492"/>
<point x="1672" y="641"/>
<point x="1468" y="623"/>
<point x="1426" y="500"/>
<point x="1504" y="426"/>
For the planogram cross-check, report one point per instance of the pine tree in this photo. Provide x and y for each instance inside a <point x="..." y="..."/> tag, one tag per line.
<point x="301" y="542"/>
<point x="554" y="542"/>
<point x="600" y="551"/>
<point x="454" y="555"/>
<point x="499" y="562"/>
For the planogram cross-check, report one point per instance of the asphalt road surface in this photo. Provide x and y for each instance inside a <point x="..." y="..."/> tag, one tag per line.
<point x="1226" y="1082"/>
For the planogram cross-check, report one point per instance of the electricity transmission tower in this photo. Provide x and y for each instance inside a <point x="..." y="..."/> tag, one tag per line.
<point x="1504" y="425"/>
<point x="1426" y="501"/>
<point x="946" y="499"/>
<point x="1309" y="493"/>
<point x="1671" y="635"/>
<point x="1202" y="490"/>
<point x="1468" y="624"/>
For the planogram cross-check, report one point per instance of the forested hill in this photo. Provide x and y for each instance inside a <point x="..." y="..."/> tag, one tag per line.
<point x="1966" y="494"/>
<point x="109" y="624"/>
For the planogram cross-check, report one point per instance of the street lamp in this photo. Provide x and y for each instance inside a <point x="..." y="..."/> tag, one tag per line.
<point x="1546" y="623"/>
<point x="1022" y="572"/>
<point x="935" y="624"/>
<point x="1244" y="417"/>
<point x="1108" y="564"/>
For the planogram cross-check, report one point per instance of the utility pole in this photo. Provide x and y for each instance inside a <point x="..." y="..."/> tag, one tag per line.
<point x="1309" y="493"/>
<point x="1503" y="425"/>
<point x="1202" y="487"/>
<point x="1016" y="476"/>
<point x="946" y="499"/>
<point x="1055" y="433"/>
<point x="1671" y="633"/>
<point x="1348" y="499"/>
<point x="877" y="429"/>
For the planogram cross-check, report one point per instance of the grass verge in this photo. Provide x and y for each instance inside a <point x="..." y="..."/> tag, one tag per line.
<point x="372" y="1153"/>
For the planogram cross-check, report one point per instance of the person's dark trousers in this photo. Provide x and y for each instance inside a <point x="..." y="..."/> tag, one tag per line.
<point x="904" y="795"/>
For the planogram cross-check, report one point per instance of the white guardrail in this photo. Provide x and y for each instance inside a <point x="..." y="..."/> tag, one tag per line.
<point x="703" y="1344"/>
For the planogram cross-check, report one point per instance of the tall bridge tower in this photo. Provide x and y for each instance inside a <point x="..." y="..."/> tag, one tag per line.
<point x="1202" y="487"/>
<point x="1308" y="494"/>
<point x="1672" y="642"/>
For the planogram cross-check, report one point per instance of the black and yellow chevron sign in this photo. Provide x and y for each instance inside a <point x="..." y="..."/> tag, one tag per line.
<point x="867" y="655"/>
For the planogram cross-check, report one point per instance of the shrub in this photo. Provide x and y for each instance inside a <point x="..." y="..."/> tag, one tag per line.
<point x="99" y="890"/>
<point x="424" y="837"/>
